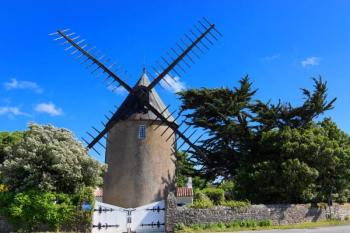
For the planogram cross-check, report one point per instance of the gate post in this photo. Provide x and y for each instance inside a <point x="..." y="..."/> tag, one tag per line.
<point x="170" y="209"/>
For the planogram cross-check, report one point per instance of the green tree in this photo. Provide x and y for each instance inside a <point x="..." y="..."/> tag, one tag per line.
<point x="333" y="163"/>
<point x="223" y="114"/>
<point x="49" y="159"/>
<point x="184" y="169"/>
<point x="272" y="152"/>
<point x="299" y="165"/>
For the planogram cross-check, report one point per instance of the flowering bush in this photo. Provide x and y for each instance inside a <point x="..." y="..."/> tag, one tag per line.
<point x="49" y="159"/>
<point x="46" y="175"/>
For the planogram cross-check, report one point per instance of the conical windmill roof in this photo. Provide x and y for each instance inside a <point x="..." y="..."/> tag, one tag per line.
<point x="154" y="100"/>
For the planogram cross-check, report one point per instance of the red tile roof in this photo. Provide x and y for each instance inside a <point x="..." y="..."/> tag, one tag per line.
<point x="184" y="192"/>
<point x="98" y="192"/>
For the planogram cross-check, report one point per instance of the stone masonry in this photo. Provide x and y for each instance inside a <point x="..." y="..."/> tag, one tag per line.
<point x="278" y="214"/>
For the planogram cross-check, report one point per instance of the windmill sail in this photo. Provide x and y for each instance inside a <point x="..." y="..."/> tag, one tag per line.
<point x="143" y="102"/>
<point x="185" y="52"/>
<point x="95" y="61"/>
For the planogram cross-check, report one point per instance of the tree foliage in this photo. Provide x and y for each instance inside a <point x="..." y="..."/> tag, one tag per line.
<point x="47" y="176"/>
<point x="48" y="159"/>
<point x="8" y="139"/>
<point x="300" y="165"/>
<point x="32" y="210"/>
<point x="272" y="152"/>
<point x="185" y="169"/>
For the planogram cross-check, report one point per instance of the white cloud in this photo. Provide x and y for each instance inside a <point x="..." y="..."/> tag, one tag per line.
<point x="12" y="111"/>
<point x="311" y="61"/>
<point x="48" y="108"/>
<point x="271" y="58"/>
<point x="172" y="84"/>
<point x="15" y="84"/>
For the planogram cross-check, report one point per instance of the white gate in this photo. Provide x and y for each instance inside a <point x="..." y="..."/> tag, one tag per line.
<point x="108" y="219"/>
<point x="113" y="219"/>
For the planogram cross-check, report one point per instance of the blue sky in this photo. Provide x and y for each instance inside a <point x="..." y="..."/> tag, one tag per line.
<point x="280" y="44"/>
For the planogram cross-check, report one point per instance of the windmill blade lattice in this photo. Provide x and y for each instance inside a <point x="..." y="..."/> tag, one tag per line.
<point x="196" y="42"/>
<point x="78" y="46"/>
<point x="179" y="133"/>
<point x="176" y="62"/>
<point x="120" y="114"/>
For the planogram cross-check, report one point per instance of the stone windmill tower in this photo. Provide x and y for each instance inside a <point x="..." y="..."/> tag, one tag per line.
<point x="141" y="135"/>
<point x="140" y="159"/>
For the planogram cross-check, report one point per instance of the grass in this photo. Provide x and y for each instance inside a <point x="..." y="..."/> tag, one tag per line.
<point x="252" y="225"/>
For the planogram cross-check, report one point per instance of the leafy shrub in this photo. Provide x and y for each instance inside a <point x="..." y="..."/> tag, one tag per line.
<point x="82" y="218"/>
<point x="229" y="188"/>
<point x="5" y="199"/>
<point x="251" y="223"/>
<point x="32" y="209"/>
<point x="216" y="195"/>
<point x="199" y="195"/>
<point x="180" y="226"/>
<point x="201" y="201"/>
<point x="233" y="224"/>
<point x="220" y="226"/>
<point x="202" y="204"/>
<point x="196" y="226"/>
<point x="236" y="204"/>
<point x="242" y="223"/>
<point x="265" y="223"/>
<point x="206" y="226"/>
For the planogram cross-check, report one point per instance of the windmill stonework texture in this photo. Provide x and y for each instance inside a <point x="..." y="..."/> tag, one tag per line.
<point x="141" y="164"/>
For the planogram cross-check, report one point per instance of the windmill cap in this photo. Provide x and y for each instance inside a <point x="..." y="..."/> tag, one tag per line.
<point x="154" y="100"/>
<point x="143" y="81"/>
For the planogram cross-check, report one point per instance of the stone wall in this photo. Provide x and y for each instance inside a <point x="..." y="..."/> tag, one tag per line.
<point x="278" y="214"/>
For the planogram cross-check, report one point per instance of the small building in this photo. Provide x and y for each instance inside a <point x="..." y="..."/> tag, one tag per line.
<point x="98" y="194"/>
<point x="184" y="195"/>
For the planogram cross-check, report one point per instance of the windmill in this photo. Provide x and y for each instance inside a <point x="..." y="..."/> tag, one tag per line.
<point x="141" y="135"/>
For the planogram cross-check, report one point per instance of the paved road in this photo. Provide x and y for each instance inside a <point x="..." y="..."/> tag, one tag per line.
<point x="337" y="229"/>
